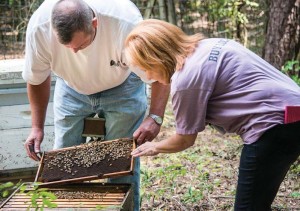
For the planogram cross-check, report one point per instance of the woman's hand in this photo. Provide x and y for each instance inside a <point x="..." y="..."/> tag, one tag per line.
<point x="175" y="143"/>
<point x="146" y="149"/>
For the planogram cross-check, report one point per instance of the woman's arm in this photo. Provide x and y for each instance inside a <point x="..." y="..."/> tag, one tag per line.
<point x="175" y="143"/>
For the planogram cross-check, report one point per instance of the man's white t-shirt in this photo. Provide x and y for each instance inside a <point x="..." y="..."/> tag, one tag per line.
<point x="98" y="67"/>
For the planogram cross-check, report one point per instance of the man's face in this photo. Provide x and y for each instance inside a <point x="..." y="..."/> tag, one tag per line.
<point x="81" y="40"/>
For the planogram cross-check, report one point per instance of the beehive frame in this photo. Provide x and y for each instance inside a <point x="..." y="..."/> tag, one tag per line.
<point x="89" y="170"/>
<point x="107" y="196"/>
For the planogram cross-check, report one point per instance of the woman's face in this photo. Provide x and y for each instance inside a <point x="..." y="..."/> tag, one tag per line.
<point x="156" y="74"/>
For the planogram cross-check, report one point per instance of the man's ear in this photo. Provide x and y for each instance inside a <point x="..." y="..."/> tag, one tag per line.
<point x="95" y="22"/>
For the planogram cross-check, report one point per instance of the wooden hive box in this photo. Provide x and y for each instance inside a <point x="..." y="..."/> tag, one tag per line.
<point x="94" y="127"/>
<point x="15" y="175"/>
<point x="91" y="161"/>
<point x="79" y="197"/>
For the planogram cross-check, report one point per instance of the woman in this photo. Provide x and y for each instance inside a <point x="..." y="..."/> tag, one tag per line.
<point x="219" y="82"/>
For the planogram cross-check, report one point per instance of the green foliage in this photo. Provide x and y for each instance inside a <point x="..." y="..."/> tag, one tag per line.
<point x="168" y="179"/>
<point x="36" y="194"/>
<point x="295" y="195"/>
<point x="225" y="18"/>
<point x="292" y="69"/>
<point x="193" y="195"/>
<point x="7" y="188"/>
<point x="18" y="13"/>
<point x="230" y="9"/>
<point x="227" y="9"/>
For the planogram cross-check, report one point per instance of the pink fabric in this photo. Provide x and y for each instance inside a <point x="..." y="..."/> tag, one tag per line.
<point x="292" y="114"/>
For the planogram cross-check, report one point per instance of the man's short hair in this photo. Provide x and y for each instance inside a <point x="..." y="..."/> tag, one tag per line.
<point x="70" y="16"/>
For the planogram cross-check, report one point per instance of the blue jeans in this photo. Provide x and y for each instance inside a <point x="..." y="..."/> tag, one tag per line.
<point x="123" y="108"/>
<point x="263" y="166"/>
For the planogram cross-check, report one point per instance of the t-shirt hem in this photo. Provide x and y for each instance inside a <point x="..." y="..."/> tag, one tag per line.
<point x="188" y="132"/>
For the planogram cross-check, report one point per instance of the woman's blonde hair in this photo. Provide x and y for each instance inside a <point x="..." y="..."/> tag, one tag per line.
<point x="158" y="44"/>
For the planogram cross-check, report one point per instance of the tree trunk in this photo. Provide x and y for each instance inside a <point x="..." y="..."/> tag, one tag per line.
<point x="283" y="32"/>
<point x="171" y="12"/>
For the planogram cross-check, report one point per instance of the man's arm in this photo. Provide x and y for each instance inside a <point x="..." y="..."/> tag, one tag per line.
<point x="38" y="96"/>
<point x="149" y="129"/>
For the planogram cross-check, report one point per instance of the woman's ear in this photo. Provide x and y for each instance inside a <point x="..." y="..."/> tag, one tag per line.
<point x="95" y="22"/>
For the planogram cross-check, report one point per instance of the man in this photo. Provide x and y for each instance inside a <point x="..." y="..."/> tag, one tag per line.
<point x="81" y="41"/>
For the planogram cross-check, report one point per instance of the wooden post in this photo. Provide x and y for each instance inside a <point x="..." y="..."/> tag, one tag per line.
<point x="162" y="10"/>
<point x="171" y="12"/>
<point x="149" y="9"/>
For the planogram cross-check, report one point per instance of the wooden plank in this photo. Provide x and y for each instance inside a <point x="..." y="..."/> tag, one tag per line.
<point x="103" y="195"/>
<point x="17" y="96"/>
<point x="15" y="126"/>
<point x="11" y="73"/>
<point x="104" y="199"/>
<point x="94" y="127"/>
<point x="112" y="198"/>
<point x="19" y="117"/>
<point x="110" y="208"/>
<point x="69" y="202"/>
<point x="25" y="174"/>
<point x="12" y="86"/>
<point x="12" y="152"/>
<point x="81" y="205"/>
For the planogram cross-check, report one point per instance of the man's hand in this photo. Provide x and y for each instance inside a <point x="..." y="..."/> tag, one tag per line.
<point x="33" y="143"/>
<point x="147" y="131"/>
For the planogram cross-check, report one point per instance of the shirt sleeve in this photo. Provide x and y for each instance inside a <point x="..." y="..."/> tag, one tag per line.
<point x="190" y="110"/>
<point x="37" y="59"/>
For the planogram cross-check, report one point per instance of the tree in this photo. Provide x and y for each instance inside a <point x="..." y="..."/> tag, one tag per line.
<point x="283" y="32"/>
